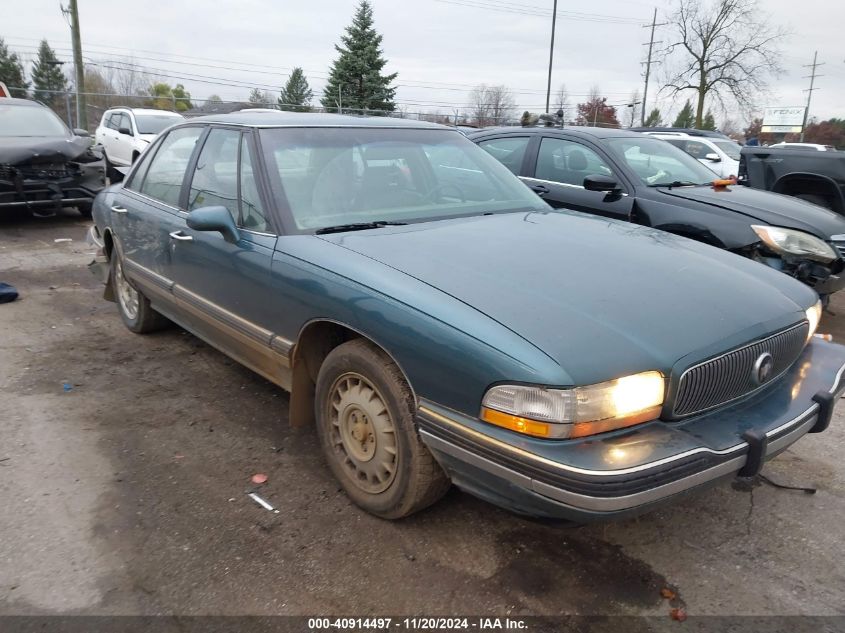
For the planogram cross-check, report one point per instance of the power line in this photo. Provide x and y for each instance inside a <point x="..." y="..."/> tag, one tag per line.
<point x="812" y="77"/>
<point x="520" y="9"/>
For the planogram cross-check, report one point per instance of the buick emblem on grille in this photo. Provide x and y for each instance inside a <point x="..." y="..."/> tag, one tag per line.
<point x="762" y="368"/>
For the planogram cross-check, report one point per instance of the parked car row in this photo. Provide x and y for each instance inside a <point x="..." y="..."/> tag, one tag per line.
<point x="644" y="180"/>
<point x="440" y="323"/>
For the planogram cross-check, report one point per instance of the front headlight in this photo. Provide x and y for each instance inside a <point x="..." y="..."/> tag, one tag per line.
<point x="791" y="242"/>
<point x="576" y="412"/>
<point x="814" y="315"/>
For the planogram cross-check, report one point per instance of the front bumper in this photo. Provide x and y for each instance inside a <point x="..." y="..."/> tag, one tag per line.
<point x="21" y="190"/>
<point x="630" y="471"/>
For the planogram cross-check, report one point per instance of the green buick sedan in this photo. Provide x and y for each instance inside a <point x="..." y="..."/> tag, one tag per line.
<point x="440" y="324"/>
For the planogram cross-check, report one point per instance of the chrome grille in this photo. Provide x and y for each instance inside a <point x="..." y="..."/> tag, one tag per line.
<point x="839" y="245"/>
<point x="729" y="376"/>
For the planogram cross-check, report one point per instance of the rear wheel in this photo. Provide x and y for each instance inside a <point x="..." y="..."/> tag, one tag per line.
<point x="134" y="308"/>
<point x="365" y="421"/>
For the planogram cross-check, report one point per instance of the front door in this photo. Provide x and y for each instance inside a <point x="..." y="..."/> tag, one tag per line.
<point x="224" y="286"/>
<point x="559" y="173"/>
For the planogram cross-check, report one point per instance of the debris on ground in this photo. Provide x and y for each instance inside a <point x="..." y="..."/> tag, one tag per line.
<point x="259" y="478"/>
<point x="678" y="614"/>
<point x="59" y="240"/>
<point x="263" y="503"/>
<point x="66" y="386"/>
<point x="7" y="293"/>
<point x="668" y="594"/>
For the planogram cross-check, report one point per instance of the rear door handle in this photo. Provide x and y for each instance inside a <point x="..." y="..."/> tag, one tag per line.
<point x="118" y="209"/>
<point x="540" y="190"/>
<point x="178" y="235"/>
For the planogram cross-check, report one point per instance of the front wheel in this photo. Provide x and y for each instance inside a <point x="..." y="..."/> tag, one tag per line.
<point x="365" y="421"/>
<point x="134" y="308"/>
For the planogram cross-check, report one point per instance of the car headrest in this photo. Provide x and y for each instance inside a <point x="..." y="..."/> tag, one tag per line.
<point x="576" y="160"/>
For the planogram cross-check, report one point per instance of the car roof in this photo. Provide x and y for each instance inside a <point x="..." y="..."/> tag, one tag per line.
<point x="276" y="118"/>
<point x="580" y="131"/>
<point x="21" y="102"/>
<point x="145" y="111"/>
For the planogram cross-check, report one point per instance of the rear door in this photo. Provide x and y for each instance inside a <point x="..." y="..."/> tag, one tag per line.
<point x="145" y="212"/>
<point x="558" y="175"/>
<point x="122" y="147"/>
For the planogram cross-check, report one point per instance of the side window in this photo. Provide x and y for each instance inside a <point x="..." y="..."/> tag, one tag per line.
<point x="137" y="177"/>
<point x="252" y="211"/>
<point x="124" y="122"/>
<point x="697" y="149"/>
<point x="166" y="171"/>
<point x="111" y="120"/>
<point x="568" y="162"/>
<point x="508" y="151"/>
<point x="215" y="180"/>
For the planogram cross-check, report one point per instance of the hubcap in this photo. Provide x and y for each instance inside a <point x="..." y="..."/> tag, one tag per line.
<point x="362" y="433"/>
<point x="126" y="294"/>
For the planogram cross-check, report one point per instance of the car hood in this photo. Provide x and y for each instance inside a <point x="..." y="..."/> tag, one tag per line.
<point x="24" y="150"/>
<point x="764" y="207"/>
<point x="602" y="298"/>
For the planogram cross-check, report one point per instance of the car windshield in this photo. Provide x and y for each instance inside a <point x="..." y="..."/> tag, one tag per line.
<point x="337" y="176"/>
<point x="155" y="123"/>
<point x="729" y="147"/>
<point x="18" y="120"/>
<point x="658" y="163"/>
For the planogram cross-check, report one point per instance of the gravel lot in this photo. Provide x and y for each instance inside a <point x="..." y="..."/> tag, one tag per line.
<point x="126" y="494"/>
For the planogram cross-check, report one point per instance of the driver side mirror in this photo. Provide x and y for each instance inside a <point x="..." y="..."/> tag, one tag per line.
<point x="125" y="130"/>
<point x="598" y="182"/>
<point x="713" y="157"/>
<point x="78" y="131"/>
<point x="215" y="218"/>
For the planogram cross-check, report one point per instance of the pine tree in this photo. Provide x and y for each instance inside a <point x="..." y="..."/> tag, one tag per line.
<point x="709" y="122"/>
<point x="259" y="98"/>
<point x="653" y="118"/>
<point x="296" y="95"/>
<point x="686" y="117"/>
<point x="48" y="80"/>
<point x="355" y="80"/>
<point x="11" y="72"/>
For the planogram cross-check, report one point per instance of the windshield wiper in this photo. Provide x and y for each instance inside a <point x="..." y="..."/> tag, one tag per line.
<point x="677" y="183"/>
<point x="357" y="226"/>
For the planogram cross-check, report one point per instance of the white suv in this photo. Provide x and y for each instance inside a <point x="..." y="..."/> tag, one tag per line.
<point x="126" y="132"/>
<point x="720" y="155"/>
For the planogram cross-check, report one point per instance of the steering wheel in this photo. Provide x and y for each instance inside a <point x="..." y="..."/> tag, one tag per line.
<point x="440" y="188"/>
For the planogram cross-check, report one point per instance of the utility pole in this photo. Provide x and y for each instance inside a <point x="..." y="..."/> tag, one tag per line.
<point x="651" y="44"/>
<point x="551" y="57"/>
<point x="812" y="77"/>
<point x="72" y="12"/>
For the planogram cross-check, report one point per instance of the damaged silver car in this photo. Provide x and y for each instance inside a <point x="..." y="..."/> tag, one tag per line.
<point x="45" y="166"/>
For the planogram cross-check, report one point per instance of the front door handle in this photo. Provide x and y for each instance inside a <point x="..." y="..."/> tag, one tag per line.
<point x="540" y="190"/>
<point x="118" y="209"/>
<point x="178" y="235"/>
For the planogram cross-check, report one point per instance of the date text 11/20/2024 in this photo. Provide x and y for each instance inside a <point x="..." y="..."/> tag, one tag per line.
<point x="415" y="624"/>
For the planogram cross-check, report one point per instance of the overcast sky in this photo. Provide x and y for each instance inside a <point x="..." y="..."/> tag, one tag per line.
<point x="440" y="49"/>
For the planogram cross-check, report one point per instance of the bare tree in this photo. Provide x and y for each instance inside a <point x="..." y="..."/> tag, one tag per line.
<point x="562" y="101"/>
<point x="726" y="49"/>
<point x="634" y="106"/>
<point x="491" y="105"/>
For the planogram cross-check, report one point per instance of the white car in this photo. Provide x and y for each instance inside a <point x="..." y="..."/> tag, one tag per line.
<point x="125" y="133"/>
<point x="815" y="147"/>
<point x="720" y="155"/>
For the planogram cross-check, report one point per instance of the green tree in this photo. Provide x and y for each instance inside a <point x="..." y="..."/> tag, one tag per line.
<point x="48" y="80"/>
<point x="258" y="98"/>
<point x="182" y="98"/>
<point x="653" y="118"/>
<point x="709" y="122"/>
<point x="11" y="72"/>
<point x="355" y="79"/>
<point x="296" y="95"/>
<point x="686" y="117"/>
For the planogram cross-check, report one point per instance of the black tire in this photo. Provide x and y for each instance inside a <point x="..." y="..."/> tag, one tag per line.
<point x="416" y="480"/>
<point x="138" y="315"/>
<point x="815" y="199"/>
<point x="85" y="209"/>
